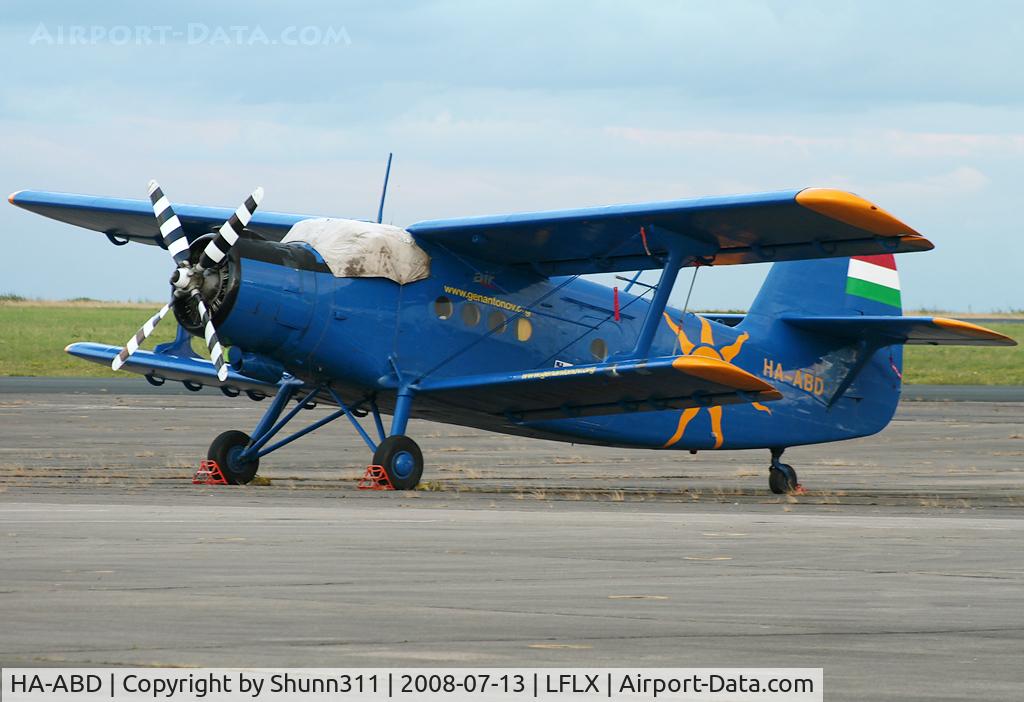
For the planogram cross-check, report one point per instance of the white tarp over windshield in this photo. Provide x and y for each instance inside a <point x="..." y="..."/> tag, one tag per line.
<point x="354" y="249"/>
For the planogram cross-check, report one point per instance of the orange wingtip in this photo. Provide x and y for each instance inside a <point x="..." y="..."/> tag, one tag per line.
<point x="909" y="244"/>
<point x="10" y="198"/>
<point x="974" y="331"/>
<point x="725" y="373"/>
<point x="853" y="210"/>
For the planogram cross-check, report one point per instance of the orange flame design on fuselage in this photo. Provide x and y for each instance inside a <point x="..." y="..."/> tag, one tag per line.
<point x="706" y="347"/>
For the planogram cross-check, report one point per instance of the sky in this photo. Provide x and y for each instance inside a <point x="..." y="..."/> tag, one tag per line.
<point x="503" y="107"/>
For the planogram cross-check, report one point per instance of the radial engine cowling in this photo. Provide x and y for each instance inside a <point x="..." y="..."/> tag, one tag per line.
<point x="219" y="287"/>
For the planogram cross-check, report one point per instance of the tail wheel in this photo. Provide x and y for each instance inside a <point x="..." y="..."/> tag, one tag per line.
<point x="782" y="479"/>
<point x="226" y="450"/>
<point x="401" y="459"/>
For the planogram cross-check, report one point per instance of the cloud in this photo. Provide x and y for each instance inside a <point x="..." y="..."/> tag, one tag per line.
<point x="894" y="142"/>
<point x="956" y="183"/>
<point x="499" y="108"/>
<point x="954" y="145"/>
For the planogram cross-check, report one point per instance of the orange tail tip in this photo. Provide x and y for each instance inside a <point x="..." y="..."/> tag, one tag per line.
<point x="968" y="330"/>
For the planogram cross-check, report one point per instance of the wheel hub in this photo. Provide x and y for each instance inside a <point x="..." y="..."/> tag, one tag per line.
<point x="403" y="463"/>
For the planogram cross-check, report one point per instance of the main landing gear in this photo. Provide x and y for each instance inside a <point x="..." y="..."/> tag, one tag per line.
<point x="239" y="454"/>
<point x="401" y="459"/>
<point x="226" y="449"/>
<point x="782" y="477"/>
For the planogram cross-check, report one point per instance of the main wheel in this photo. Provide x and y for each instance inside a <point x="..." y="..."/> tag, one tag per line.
<point x="782" y="479"/>
<point x="402" y="460"/>
<point x="225" y="449"/>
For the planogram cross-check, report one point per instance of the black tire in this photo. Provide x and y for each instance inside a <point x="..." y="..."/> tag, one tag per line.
<point x="194" y="387"/>
<point x="225" y="449"/>
<point x="402" y="460"/>
<point x="782" y="480"/>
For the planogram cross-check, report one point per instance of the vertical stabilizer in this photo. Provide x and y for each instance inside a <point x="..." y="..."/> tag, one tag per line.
<point x="862" y="285"/>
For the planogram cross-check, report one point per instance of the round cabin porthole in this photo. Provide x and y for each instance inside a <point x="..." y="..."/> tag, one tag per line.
<point x="496" y="321"/>
<point x="443" y="308"/>
<point x="524" y="330"/>
<point x="470" y="314"/>
<point x="599" y="349"/>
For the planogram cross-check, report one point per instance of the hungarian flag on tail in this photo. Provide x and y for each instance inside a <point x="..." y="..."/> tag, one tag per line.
<point x="874" y="278"/>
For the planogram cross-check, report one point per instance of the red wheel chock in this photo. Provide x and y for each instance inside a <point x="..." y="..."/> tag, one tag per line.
<point x="375" y="479"/>
<point x="209" y="474"/>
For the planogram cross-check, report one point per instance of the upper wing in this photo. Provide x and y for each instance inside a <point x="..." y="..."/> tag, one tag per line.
<point x="811" y="223"/>
<point x="904" y="330"/>
<point x="779" y="226"/>
<point x="134" y="220"/>
<point x="602" y="388"/>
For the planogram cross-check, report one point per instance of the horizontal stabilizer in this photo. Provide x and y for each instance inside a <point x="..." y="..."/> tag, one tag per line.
<point x="883" y="331"/>
<point x="602" y="388"/>
<point x="162" y="366"/>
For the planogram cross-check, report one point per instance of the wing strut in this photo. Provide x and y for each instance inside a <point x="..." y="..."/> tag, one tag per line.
<point x="665" y="284"/>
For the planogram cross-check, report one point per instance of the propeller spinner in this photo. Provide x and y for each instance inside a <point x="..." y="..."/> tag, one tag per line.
<point x="187" y="279"/>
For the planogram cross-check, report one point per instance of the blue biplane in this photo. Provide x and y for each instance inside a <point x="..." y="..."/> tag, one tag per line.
<point x="489" y="322"/>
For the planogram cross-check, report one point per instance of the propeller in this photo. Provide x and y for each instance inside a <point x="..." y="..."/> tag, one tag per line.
<point x="229" y="232"/>
<point x="187" y="279"/>
<point x="140" y="336"/>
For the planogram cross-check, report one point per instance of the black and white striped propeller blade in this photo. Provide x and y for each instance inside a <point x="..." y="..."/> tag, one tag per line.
<point x="210" y="334"/>
<point x="229" y="232"/>
<point x="187" y="278"/>
<point x="140" y="336"/>
<point x="170" y="226"/>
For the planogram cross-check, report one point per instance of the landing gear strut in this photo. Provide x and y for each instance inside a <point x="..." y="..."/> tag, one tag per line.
<point x="782" y="478"/>
<point x="238" y="454"/>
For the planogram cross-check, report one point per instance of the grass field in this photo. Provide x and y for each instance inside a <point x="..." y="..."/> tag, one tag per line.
<point x="968" y="365"/>
<point x="33" y="336"/>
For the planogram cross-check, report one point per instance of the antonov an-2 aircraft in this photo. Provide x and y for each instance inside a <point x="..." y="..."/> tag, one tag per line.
<point x="489" y="322"/>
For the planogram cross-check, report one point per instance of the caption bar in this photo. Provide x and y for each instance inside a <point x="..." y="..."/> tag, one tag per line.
<point x="412" y="684"/>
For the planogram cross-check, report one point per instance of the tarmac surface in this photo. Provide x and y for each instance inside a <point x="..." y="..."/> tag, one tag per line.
<point x="901" y="572"/>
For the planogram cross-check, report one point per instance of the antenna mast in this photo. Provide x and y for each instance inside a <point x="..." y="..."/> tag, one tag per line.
<point x="384" y="191"/>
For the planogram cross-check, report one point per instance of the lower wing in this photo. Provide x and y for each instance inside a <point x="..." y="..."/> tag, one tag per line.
<point x="161" y="366"/>
<point x="602" y="388"/>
